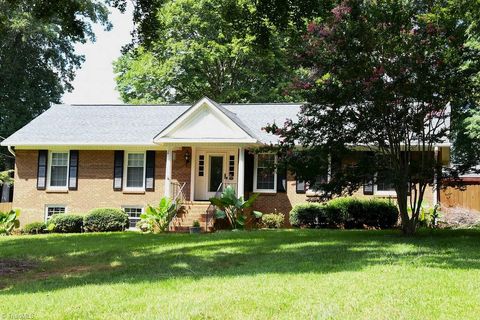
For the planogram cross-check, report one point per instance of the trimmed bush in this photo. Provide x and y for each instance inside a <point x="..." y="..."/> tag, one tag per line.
<point x="308" y="215"/>
<point x="273" y="220"/>
<point x="105" y="219"/>
<point x="65" y="223"/>
<point x="35" y="228"/>
<point x="346" y="213"/>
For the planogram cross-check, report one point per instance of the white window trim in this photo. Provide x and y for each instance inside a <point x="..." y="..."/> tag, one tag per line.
<point x="132" y="207"/>
<point x="255" y="171"/>
<point x="45" y="218"/>
<point x="383" y="193"/>
<point x="125" y="168"/>
<point x="49" y="170"/>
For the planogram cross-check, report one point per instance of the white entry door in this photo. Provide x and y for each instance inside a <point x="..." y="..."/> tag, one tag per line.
<point x="214" y="168"/>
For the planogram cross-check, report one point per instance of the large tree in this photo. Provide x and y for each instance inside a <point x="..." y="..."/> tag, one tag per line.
<point x="383" y="75"/>
<point x="205" y="47"/>
<point x="37" y="56"/>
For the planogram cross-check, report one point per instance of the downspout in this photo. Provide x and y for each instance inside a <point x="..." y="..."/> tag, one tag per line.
<point x="11" y="150"/>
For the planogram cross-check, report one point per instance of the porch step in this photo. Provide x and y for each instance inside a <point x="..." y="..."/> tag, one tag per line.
<point x="190" y="212"/>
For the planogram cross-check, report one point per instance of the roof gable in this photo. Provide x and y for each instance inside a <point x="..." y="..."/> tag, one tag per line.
<point x="206" y="121"/>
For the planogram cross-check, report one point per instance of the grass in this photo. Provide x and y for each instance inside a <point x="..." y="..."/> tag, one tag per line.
<point x="288" y="274"/>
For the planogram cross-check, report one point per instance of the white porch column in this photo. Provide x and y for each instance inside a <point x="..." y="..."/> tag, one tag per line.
<point x="193" y="167"/>
<point x="241" y="172"/>
<point x="168" y="173"/>
<point x="435" y="178"/>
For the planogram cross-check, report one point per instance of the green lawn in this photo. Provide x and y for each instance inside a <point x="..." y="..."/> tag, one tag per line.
<point x="289" y="274"/>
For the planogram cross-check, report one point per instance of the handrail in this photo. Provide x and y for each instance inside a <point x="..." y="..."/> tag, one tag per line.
<point x="180" y="192"/>
<point x="177" y="200"/>
<point x="212" y="206"/>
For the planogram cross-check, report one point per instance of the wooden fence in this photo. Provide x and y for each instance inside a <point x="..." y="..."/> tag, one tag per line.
<point x="5" y="206"/>
<point x="467" y="197"/>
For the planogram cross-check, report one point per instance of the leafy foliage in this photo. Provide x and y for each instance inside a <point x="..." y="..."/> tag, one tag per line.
<point x="105" y="219"/>
<point x="8" y="221"/>
<point x="5" y="177"/>
<point x="345" y="213"/>
<point x="158" y="218"/>
<point x="384" y="75"/>
<point x="37" y="54"/>
<point x="196" y="224"/>
<point x="65" y="223"/>
<point x="205" y="48"/>
<point x="233" y="209"/>
<point x="273" y="220"/>
<point x="35" y="228"/>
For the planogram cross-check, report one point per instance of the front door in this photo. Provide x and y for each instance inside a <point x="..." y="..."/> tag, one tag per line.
<point x="216" y="173"/>
<point x="212" y="168"/>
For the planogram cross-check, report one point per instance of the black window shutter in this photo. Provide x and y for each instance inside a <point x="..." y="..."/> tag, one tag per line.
<point x="73" y="170"/>
<point x="368" y="186"/>
<point x="150" y="171"/>
<point x="249" y="165"/>
<point x="282" y="180"/>
<point x="42" y="169"/>
<point x="118" y="170"/>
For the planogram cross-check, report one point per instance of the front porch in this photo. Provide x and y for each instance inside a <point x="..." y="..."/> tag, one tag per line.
<point x="211" y="170"/>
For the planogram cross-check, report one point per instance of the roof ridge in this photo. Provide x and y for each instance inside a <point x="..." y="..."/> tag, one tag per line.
<point x="263" y="103"/>
<point x="122" y="105"/>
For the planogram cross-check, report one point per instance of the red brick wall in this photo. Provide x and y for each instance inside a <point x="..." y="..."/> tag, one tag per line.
<point x="95" y="184"/>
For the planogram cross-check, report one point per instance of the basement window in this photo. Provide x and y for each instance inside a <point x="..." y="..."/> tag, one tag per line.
<point x="133" y="213"/>
<point x="50" y="210"/>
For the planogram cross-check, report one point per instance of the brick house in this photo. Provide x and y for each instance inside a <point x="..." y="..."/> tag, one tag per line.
<point x="79" y="157"/>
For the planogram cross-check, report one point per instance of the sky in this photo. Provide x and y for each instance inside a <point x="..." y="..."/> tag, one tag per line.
<point x="95" y="82"/>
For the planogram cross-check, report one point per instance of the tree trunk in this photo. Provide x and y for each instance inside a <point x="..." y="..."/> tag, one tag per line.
<point x="409" y="226"/>
<point x="408" y="223"/>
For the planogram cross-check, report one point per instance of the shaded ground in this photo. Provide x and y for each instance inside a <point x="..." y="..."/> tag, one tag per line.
<point x="264" y="275"/>
<point x="11" y="266"/>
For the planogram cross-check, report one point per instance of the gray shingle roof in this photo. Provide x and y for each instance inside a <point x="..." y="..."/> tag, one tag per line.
<point x="133" y="124"/>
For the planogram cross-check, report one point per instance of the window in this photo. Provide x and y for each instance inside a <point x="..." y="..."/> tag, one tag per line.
<point x="135" y="171"/>
<point x="265" y="177"/>
<point x="53" y="209"/>
<point x="58" y="169"/>
<point x="384" y="185"/>
<point x="133" y="215"/>
<point x="231" y="167"/>
<point x="301" y="186"/>
<point x="201" y="165"/>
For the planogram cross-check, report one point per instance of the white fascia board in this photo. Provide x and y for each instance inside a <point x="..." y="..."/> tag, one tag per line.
<point x="124" y="146"/>
<point x="204" y="140"/>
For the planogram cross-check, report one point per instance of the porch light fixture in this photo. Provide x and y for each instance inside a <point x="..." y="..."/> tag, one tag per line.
<point x="187" y="157"/>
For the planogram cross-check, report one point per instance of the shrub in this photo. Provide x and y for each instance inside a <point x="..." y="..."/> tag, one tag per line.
<point x="65" y="223"/>
<point x="309" y="215"/>
<point x="35" y="228"/>
<point x="346" y="212"/>
<point x="158" y="218"/>
<point x="105" y="219"/>
<point x="232" y="208"/>
<point x="8" y="221"/>
<point x="381" y="213"/>
<point x="273" y="220"/>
